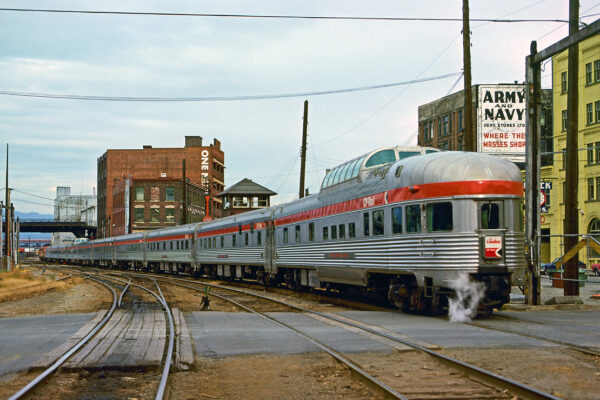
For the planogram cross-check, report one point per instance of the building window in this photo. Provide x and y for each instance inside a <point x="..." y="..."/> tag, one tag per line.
<point x="460" y="120"/>
<point x="154" y="193"/>
<point x="170" y="193"/>
<point x="588" y="73"/>
<point x="596" y="70"/>
<point x="564" y="120"/>
<point x="591" y="189"/>
<point x="169" y="214"/>
<point x="139" y="215"/>
<point x="431" y="129"/>
<point x="590" y="153"/>
<point x="594" y="231"/>
<point x="589" y="112"/>
<point x="139" y="193"/>
<point x="597" y="152"/>
<point x="598" y="111"/>
<point x="446" y="127"/>
<point x="598" y="188"/>
<point x="155" y="215"/>
<point x="425" y="131"/>
<point x="563" y="82"/>
<point x="439" y="132"/>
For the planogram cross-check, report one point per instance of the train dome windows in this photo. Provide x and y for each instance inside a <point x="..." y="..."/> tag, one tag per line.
<point x="405" y="154"/>
<point x="381" y="157"/>
<point x="439" y="217"/>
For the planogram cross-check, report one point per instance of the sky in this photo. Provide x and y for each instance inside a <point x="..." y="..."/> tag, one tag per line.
<point x="56" y="142"/>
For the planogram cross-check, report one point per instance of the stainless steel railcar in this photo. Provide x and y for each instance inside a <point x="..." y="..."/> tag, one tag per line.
<point x="381" y="224"/>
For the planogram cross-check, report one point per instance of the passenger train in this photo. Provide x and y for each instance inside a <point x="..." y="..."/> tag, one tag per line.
<point x="396" y="222"/>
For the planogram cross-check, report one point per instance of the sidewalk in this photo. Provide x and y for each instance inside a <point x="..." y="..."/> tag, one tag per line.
<point x="592" y="286"/>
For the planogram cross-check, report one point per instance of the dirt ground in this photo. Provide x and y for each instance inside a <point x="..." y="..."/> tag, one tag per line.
<point x="563" y="373"/>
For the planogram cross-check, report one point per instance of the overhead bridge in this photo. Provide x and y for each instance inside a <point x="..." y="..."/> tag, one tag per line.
<point x="79" y="229"/>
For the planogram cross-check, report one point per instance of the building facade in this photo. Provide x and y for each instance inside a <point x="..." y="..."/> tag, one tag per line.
<point x="204" y="166"/>
<point x="245" y="196"/>
<point x="146" y="204"/>
<point x="72" y="208"/>
<point x="441" y="122"/>
<point x="588" y="114"/>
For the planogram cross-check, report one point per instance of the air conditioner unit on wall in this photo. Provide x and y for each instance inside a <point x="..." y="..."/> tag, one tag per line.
<point x="163" y="174"/>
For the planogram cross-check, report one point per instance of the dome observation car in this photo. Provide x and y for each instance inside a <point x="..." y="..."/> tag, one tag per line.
<point x="387" y="155"/>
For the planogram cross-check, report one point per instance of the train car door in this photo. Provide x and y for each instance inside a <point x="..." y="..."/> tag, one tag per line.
<point x="491" y="235"/>
<point x="270" y="256"/>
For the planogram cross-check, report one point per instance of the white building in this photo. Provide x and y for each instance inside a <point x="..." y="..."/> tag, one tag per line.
<point x="72" y="208"/>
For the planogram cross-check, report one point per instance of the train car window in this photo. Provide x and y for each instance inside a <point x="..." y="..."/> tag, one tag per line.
<point x="366" y="224"/>
<point x="325" y="233"/>
<point x="240" y="229"/>
<point x="398" y="171"/>
<point x="342" y="230"/>
<point x="246" y="238"/>
<point x="439" y="217"/>
<point x="333" y="232"/>
<point x="251" y="227"/>
<point x="285" y="235"/>
<point x="490" y="216"/>
<point x="187" y="244"/>
<point x="171" y="244"/>
<point x="222" y="241"/>
<point x="259" y="238"/>
<point x="397" y="220"/>
<point x="381" y="157"/>
<point x="378" y="223"/>
<point x="311" y="231"/>
<point x="214" y="242"/>
<point x="413" y="218"/>
<point x="177" y="245"/>
<point x="351" y="230"/>
<point x="232" y="240"/>
<point x="405" y="154"/>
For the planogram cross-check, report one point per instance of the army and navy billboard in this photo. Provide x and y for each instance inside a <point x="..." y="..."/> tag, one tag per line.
<point x="501" y="121"/>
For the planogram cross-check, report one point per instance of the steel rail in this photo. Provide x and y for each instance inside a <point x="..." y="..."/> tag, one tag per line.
<point x="338" y="356"/>
<point x="167" y="367"/>
<point x="72" y="350"/>
<point x="123" y="292"/>
<point x="513" y="386"/>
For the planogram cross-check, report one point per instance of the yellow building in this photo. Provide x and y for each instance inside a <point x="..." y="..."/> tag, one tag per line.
<point x="589" y="152"/>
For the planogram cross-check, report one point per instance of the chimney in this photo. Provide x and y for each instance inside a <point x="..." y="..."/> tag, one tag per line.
<point x="193" y="141"/>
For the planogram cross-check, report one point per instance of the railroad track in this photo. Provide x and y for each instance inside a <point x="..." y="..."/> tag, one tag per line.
<point x="71" y="351"/>
<point x="422" y="383"/>
<point x="96" y="350"/>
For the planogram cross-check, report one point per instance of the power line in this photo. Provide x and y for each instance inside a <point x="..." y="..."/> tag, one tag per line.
<point x="267" y="16"/>
<point x="220" y="98"/>
<point x="34" y="195"/>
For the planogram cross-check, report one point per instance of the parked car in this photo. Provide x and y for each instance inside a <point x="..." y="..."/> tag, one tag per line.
<point x="595" y="269"/>
<point x="549" y="268"/>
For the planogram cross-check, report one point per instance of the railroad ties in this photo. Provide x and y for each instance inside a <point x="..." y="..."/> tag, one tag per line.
<point x="134" y="338"/>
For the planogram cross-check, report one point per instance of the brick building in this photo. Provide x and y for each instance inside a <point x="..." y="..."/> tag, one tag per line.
<point x="204" y="165"/>
<point x="146" y="204"/>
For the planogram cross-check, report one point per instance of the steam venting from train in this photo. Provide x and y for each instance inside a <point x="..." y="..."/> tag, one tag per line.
<point x="463" y="307"/>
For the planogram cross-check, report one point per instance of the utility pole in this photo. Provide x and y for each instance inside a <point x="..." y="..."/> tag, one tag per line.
<point x="7" y="233"/>
<point x="303" y="150"/>
<point x="571" y="221"/>
<point x="469" y="136"/>
<point x="184" y="196"/>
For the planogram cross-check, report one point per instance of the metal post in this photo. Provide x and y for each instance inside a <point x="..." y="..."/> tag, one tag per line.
<point x="1" y="240"/>
<point x="571" y="222"/>
<point x="532" y="175"/>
